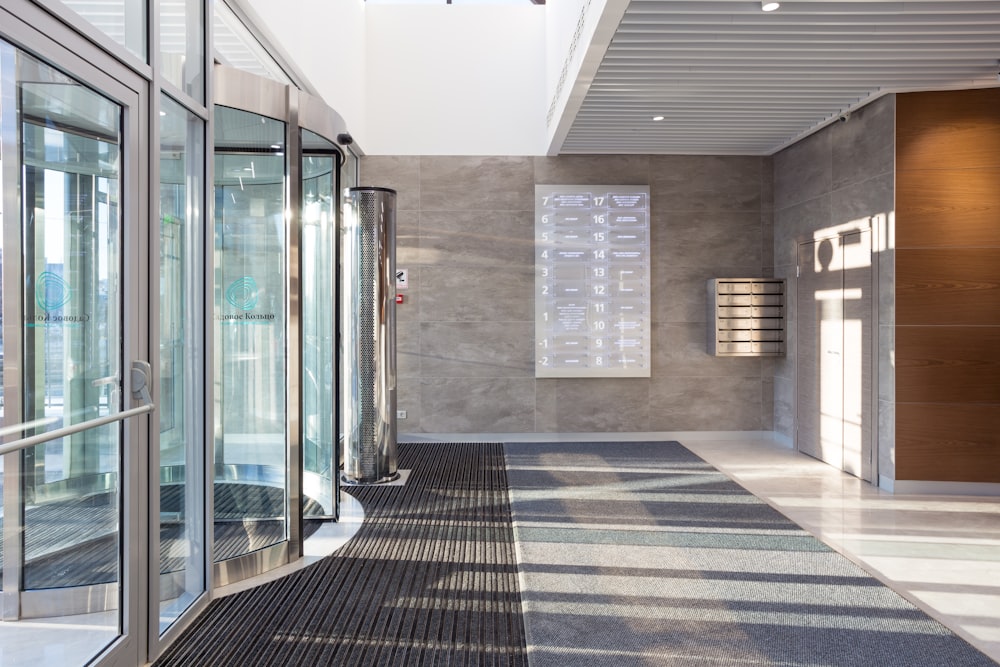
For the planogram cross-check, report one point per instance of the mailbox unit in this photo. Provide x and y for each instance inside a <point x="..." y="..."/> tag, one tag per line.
<point x="746" y="317"/>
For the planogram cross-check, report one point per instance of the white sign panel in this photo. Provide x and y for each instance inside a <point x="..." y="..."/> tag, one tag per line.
<point x="592" y="281"/>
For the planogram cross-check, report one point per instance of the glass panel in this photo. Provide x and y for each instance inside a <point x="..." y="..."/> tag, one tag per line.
<point x="72" y="341"/>
<point x="348" y="179"/>
<point x="182" y="45"/>
<point x="69" y="311"/>
<point x="181" y="395"/>
<point x="319" y="215"/>
<point x="124" y="21"/>
<point x="250" y="314"/>
<point x="237" y="47"/>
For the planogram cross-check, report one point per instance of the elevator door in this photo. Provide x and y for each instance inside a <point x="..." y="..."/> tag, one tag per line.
<point x="834" y="341"/>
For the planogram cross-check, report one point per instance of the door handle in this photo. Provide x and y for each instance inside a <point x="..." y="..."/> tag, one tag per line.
<point x="141" y="374"/>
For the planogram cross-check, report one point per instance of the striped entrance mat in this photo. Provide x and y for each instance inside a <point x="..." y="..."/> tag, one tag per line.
<point x="641" y="553"/>
<point x="430" y="579"/>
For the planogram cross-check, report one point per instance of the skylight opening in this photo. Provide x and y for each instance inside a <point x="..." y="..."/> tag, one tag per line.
<point x="455" y="2"/>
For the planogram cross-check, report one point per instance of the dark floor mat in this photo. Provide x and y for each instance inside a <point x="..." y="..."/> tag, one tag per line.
<point x="430" y="579"/>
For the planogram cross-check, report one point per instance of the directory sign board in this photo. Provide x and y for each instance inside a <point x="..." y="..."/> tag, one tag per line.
<point x="592" y="281"/>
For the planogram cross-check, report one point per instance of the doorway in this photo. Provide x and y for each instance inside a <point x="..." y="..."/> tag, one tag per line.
<point x="834" y="359"/>
<point x="76" y="394"/>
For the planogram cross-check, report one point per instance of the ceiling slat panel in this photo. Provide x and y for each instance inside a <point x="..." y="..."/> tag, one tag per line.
<point x="732" y="79"/>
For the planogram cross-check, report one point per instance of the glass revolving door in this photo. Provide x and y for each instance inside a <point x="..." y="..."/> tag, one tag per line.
<point x="320" y="169"/>
<point x="251" y="467"/>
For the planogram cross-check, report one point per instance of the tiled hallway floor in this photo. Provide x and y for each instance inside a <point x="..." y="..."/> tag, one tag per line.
<point x="942" y="553"/>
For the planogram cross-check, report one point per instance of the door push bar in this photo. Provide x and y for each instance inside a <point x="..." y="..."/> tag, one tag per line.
<point x="140" y="375"/>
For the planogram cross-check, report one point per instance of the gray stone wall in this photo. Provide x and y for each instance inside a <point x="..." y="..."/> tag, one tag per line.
<point x="465" y="331"/>
<point x="840" y="174"/>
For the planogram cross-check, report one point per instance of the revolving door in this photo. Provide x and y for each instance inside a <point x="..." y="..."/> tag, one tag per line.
<point x="276" y="208"/>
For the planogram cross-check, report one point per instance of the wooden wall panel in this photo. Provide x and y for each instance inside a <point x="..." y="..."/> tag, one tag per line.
<point x="948" y="286"/>
<point x="947" y="130"/>
<point x="948" y="208"/>
<point x="948" y="442"/>
<point x="948" y="364"/>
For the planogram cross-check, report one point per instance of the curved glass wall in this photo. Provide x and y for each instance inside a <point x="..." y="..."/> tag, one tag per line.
<point x="318" y="216"/>
<point x="250" y="329"/>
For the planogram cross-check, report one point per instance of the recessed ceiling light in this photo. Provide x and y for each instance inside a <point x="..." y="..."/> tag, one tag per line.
<point x="769" y="6"/>
<point x="657" y="117"/>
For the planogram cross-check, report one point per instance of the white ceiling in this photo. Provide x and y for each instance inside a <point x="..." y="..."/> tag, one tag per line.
<point x="731" y="79"/>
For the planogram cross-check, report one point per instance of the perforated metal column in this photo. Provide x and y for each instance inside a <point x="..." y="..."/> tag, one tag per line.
<point x="368" y="319"/>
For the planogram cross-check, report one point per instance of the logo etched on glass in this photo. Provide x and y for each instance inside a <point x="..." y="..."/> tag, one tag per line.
<point x="242" y="293"/>
<point x="51" y="291"/>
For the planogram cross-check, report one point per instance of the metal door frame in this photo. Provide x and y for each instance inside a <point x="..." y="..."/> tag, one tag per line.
<point x="28" y="27"/>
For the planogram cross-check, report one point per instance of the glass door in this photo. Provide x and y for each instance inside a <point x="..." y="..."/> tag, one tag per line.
<point x="70" y="459"/>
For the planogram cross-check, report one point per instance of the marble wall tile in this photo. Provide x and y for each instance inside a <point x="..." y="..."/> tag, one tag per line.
<point x="864" y="146"/>
<point x="596" y="169"/>
<point x="887" y="439"/>
<point x="477" y="294"/>
<point x="886" y="362"/>
<point x="798" y="223"/>
<point x="682" y="349"/>
<point x="689" y="403"/>
<point x="401" y="173"/>
<point x="468" y="244"/>
<point x="706" y="182"/>
<point x="697" y="238"/>
<point x="680" y="293"/>
<point x="842" y="174"/>
<point x="767" y="242"/>
<point x="784" y="366"/>
<point x="408" y="398"/>
<point x="784" y="406"/>
<point x="478" y="238"/>
<point x="407" y="237"/>
<point x="477" y="405"/>
<point x="767" y="183"/>
<point x="547" y="405"/>
<point x="614" y="405"/>
<point x="887" y="286"/>
<point x="409" y="310"/>
<point x="407" y="348"/>
<point x="863" y="201"/>
<point x="803" y="171"/>
<point x="477" y="349"/>
<point x="477" y="183"/>
<point x="767" y="403"/>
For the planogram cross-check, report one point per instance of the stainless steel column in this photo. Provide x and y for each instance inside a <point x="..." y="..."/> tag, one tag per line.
<point x="368" y="320"/>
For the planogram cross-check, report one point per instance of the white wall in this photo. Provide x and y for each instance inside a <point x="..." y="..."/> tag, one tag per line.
<point x="455" y="80"/>
<point x="326" y="41"/>
<point x="422" y="79"/>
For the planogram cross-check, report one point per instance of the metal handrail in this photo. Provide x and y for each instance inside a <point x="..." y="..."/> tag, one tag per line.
<point x="140" y="391"/>
<point x="24" y="426"/>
